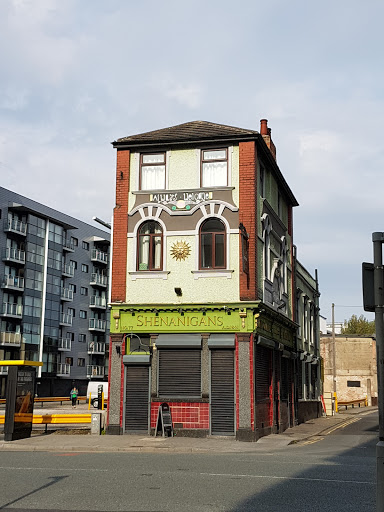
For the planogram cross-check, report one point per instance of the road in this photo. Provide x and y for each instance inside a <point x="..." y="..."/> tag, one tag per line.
<point x="334" y="472"/>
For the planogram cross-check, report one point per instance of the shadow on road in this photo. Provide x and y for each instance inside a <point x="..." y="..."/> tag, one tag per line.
<point x="55" y="480"/>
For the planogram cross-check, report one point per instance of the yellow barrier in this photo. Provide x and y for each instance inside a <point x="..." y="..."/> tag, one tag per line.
<point x="358" y="402"/>
<point x="45" y="399"/>
<point x="55" y="419"/>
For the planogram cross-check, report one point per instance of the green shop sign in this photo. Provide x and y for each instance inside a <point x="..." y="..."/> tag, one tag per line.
<point x="239" y="320"/>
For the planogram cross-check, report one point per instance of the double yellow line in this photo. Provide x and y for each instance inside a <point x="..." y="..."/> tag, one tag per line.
<point x="342" y="425"/>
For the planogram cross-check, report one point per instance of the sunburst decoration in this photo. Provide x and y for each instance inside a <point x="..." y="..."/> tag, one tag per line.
<point x="180" y="250"/>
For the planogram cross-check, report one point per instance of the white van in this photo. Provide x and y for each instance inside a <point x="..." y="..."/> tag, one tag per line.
<point x="92" y="391"/>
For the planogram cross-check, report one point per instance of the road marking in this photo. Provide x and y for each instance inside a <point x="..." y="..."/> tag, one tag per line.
<point x="343" y="425"/>
<point x="291" y="478"/>
<point x="311" y="441"/>
<point x="54" y="469"/>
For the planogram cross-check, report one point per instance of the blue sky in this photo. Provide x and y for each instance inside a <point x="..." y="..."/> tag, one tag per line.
<point x="78" y="74"/>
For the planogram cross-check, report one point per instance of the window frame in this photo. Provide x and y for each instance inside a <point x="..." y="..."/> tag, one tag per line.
<point x="211" y="160"/>
<point x="224" y="233"/>
<point x="151" y="247"/>
<point x="141" y="165"/>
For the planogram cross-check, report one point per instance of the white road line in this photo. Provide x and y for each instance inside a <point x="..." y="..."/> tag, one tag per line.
<point x="291" y="478"/>
<point x="55" y="469"/>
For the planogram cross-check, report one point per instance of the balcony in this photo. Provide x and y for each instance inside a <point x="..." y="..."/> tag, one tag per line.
<point x="68" y="245"/>
<point x="10" y="339"/>
<point x="97" y="302"/>
<point x="14" y="255"/>
<point x="96" y="347"/>
<point x="66" y="294"/>
<point x="3" y="370"/>
<point x="94" y="371"/>
<point x="13" y="283"/>
<point x="67" y="270"/>
<point x="66" y="319"/>
<point x="99" y="256"/>
<point x="63" y="370"/>
<point x="95" y="324"/>
<point x="98" y="280"/>
<point x="64" y="344"/>
<point x="12" y="310"/>
<point x="15" y="226"/>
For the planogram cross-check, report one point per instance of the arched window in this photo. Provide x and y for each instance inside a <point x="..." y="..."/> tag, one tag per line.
<point x="212" y="244"/>
<point x="150" y="246"/>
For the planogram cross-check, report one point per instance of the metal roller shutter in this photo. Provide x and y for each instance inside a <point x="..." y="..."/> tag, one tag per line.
<point x="180" y="373"/>
<point x="263" y="373"/>
<point x="136" y="398"/>
<point x="222" y="392"/>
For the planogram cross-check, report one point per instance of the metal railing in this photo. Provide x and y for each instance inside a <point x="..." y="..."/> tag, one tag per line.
<point x="15" y="255"/>
<point x="15" y="226"/>
<point x="68" y="245"/>
<point x="12" y="339"/>
<point x="96" y="347"/>
<point x="96" y="324"/>
<point x="95" y="371"/>
<point x="63" y="369"/>
<point x="99" y="256"/>
<point x="98" y="279"/>
<point x="13" y="282"/>
<point x="66" y="294"/>
<point x="67" y="270"/>
<point x="97" y="302"/>
<point x="12" y="310"/>
<point x="64" y="344"/>
<point x="66" y="319"/>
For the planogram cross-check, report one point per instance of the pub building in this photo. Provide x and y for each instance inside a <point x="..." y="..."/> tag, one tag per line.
<point x="206" y="312"/>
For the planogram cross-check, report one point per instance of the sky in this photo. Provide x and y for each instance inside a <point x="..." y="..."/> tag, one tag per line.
<point x="76" y="75"/>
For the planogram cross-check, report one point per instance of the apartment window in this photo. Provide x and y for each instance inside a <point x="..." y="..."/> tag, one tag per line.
<point x="71" y="312"/>
<point x="73" y="264"/>
<point x="55" y="233"/>
<point x="84" y="268"/>
<point x="214" y="167"/>
<point x="150" y="245"/>
<point x="82" y="314"/>
<point x="80" y="361"/>
<point x="69" y="360"/>
<point x="152" y="171"/>
<point x="353" y="384"/>
<point x="83" y="291"/>
<point x="82" y="338"/>
<point x="74" y="241"/>
<point x="212" y="244"/>
<point x="70" y="336"/>
<point x="86" y="245"/>
<point x="72" y="287"/>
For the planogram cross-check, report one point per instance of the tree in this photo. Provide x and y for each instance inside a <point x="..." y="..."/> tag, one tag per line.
<point x="359" y="326"/>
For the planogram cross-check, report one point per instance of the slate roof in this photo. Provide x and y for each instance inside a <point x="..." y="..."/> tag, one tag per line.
<point x="188" y="132"/>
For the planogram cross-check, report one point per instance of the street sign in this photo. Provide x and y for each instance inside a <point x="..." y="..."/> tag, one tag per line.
<point x="368" y="287"/>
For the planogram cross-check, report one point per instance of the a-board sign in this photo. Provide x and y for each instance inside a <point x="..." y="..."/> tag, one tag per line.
<point x="19" y="405"/>
<point x="164" y="421"/>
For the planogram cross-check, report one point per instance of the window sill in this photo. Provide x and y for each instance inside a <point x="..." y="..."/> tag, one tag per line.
<point x="148" y="274"/>
<point x="212" y="273"/>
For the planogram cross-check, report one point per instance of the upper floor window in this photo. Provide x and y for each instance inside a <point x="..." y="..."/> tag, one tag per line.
<point x="152" y="171"/>
<point x="212" y="244"/>
<point x="150" y="246"/>
<point x="214" y="167"/>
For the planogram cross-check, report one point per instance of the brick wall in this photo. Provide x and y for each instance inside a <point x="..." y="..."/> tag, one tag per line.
<point x="248" y="215"/>
<point x="120" y="228"/>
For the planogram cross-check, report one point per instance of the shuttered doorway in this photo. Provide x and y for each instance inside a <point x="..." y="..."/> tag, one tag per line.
<point x="222" y="392"/>
<point x="136" y="399"/>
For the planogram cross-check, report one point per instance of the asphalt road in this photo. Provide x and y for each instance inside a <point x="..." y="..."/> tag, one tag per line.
<point x="334" y="472"/>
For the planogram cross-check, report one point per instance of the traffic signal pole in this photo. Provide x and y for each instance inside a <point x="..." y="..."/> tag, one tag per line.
<point x="378" y="239"/>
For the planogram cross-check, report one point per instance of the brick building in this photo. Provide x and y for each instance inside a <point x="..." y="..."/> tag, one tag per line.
<point x="203" y="285"/>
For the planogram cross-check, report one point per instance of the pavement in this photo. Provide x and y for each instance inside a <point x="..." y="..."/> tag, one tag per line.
<point x="77" y="438"/>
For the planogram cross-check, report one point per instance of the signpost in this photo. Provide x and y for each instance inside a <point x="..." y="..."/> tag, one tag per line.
<point x="373" y="297"/>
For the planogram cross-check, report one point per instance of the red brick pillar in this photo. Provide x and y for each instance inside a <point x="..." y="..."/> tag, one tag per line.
<point x="248" y="216"/>
<point x="120" y="228"/>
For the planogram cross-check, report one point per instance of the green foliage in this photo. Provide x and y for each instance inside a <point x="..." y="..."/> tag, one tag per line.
<point x="359" y="326"/>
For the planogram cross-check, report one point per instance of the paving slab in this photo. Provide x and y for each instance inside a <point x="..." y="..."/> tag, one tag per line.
<point x="72" y="438"/>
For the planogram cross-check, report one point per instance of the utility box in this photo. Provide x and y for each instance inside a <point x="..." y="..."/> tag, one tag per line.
<point x="96" y="423"/>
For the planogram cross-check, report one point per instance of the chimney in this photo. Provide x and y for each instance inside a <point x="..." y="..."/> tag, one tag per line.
<point x="266" y="134"/>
